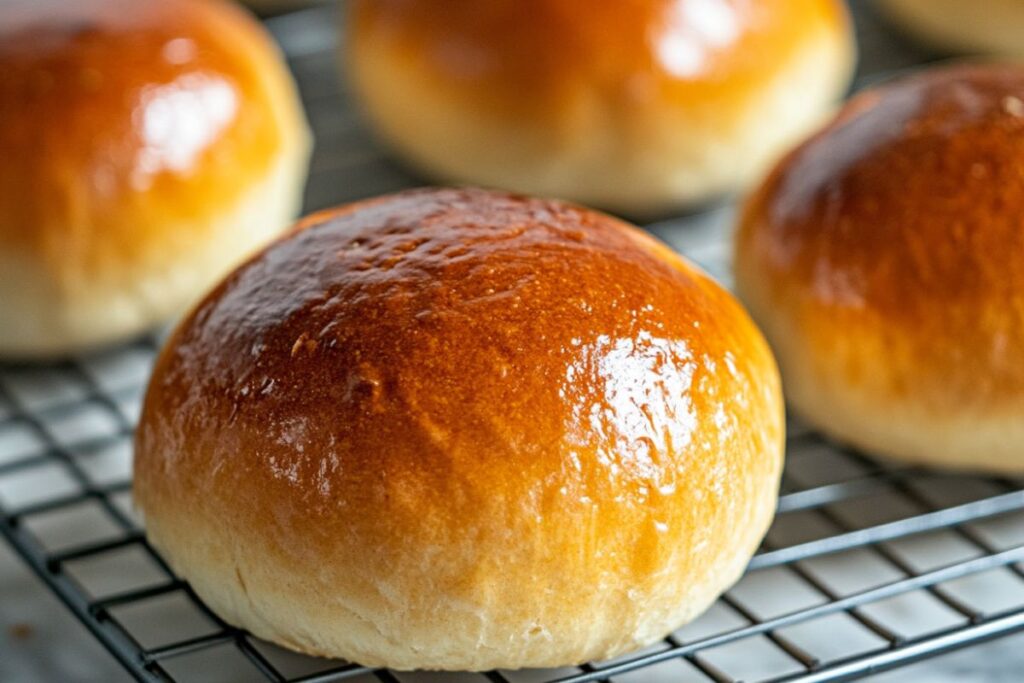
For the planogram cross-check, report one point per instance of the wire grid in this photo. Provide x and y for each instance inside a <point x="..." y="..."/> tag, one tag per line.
<point x="868" y="566"/>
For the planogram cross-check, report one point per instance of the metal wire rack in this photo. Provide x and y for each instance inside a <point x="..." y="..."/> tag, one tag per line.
<point x="868" y="566"/>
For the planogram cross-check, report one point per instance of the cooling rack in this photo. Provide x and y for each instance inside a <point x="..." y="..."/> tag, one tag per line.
<point x="869" y="565"/>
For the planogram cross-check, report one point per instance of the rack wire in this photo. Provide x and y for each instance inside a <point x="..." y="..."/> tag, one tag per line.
<point x="869" y="565"/>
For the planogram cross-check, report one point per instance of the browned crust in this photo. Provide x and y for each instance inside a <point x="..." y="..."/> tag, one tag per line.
<point x="539" y="57"/>
<point x="892" y="240"/>
<point x="538" y="398"/>
<point x="122" y="120"/>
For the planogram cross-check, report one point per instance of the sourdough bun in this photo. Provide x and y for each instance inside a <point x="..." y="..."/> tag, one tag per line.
<point x="146" y="146"/>
<point x="455" y="429"/>
<point x="634" y="106"/>
<point x="978" y="26"/>
<point x="884" y="259"/>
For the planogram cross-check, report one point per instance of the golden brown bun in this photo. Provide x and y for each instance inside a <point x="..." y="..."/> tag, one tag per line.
<point x="456" y="429"/>
<point x="634" y="106"/>
<point x="884" y="260"/>
<point x="146" y="147"/>
<point x="981" y="26"/>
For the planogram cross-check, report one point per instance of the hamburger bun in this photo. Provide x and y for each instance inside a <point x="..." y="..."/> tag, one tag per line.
<point x="639" y="107"/>
<point x="884" y="259"/>
<point x="147" y="146"/>
<point x="462" y="430"/>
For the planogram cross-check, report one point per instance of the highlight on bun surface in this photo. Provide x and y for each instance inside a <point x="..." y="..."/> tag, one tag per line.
<point x="638" y="107"/>
<point x="884" y="260"/>
<point x="461" y="430"/>
<point x="146" y="146"/>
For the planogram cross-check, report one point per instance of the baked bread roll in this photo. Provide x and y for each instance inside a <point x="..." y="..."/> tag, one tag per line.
<point x="980" y="26"/>
<point x="884" y="259"/>
<point x="633" y="106"/>
<point x="147" y="146"/>
<point x="455" y="429"/>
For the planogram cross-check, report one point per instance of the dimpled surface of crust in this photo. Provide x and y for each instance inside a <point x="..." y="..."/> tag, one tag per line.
<point x="885" y="260"/>
<point x="456" y="429"/>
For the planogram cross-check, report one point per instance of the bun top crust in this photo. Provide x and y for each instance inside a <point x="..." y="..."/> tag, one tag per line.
<point x="903" y="218"/>
<point x="403" y="372"/>
<point x="133" y="115"/>
<point x="539" y="55"/>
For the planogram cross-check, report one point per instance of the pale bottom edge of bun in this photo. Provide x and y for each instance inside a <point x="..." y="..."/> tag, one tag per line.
<point x="275" y="6"/>
<point x="872" y="424"/>
<point x="245" y="588"/>
<point x="994" y="27"/>
<point x="657" y="161"/>
<point x="44" y="317"/>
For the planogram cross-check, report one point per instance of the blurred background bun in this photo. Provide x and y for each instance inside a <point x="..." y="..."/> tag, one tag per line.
<point x="456" y="429"/>
<point x="633" y="106"/>
<point x="884" y="259"/>
<point x="145" y="147"/>
<point x="978" y="26"/>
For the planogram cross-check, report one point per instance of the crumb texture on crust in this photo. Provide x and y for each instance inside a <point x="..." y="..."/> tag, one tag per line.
<point x="456" y="429"/>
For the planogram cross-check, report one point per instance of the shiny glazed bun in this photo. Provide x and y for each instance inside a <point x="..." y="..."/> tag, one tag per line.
<point x="884" y="259"/>
<point x="456" y="429"/>
<point x="146" y="147"/>
<point x="636" y="106"/>
<point x="985" y="26"/>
